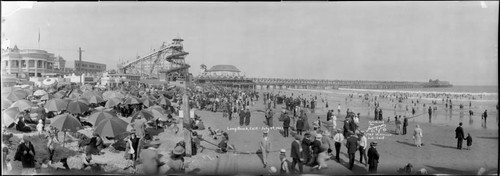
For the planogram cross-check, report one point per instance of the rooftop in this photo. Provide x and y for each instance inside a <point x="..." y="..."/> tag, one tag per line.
<point x="228" y="68"/>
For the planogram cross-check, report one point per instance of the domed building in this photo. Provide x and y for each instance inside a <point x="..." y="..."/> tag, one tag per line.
<point x="224" y="75"/>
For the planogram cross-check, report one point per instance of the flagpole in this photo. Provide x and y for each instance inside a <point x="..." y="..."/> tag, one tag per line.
<point x="38" y="38"/>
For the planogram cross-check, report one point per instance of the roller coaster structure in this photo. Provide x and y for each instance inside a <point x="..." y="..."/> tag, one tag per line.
<point x="169" y="60"/>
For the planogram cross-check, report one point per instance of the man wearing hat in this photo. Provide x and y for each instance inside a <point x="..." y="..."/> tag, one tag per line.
<point x="284" y="162"/>
<point x="338" y="138"/>
<point x="373" y="157"/>
<point x="296" y="152"/>
<point x="286" y="124"/>
<point x="247" y="116"/>
<point x="176" y="162"/>
<point x="363" y="144"/>
<point x="459" y="135"/>
<point x="140" y="127"/>
<point x="316" y="148"/>
<point x="150" y="158"/>
<point x="265" y="147"/>
<point x="352" y="146"/>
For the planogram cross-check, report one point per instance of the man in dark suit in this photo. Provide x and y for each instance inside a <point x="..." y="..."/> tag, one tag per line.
<point x="300" y="126"/>
<point x="296" y="153"/>
<point x="459" y="135"/>
<point x="242" y="117"/>
<point x="286" y="124"/>
<point x="352" y="146"/>
<point x="247" y="116"/>
<point x="373" y="157"/>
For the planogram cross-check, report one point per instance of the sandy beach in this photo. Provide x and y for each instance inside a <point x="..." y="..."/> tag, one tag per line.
<point x="438" y="155"/>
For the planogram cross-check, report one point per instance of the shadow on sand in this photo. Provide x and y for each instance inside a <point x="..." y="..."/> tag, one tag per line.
<point x="406" y="143"/>
<point x="444" y="146"/>
<point x="443" y="170"/>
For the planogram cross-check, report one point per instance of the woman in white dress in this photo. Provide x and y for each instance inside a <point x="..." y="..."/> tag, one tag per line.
<point x="417" y="136"/>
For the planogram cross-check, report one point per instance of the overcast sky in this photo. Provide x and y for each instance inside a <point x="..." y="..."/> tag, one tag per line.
<point x="399" y="41"/>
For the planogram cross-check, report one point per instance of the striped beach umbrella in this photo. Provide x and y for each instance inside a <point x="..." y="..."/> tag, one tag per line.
<point x="164" y="101"/>
<point x="56" y="104"/>
<point x="66" y="122"/>
<point x="6" y="103"/>
<point x="22" y="105"/>
<point x="77" y="107"/>
<point x="10" y="115"/>
<point x="111" y="127"/>
<point x="95" y="99"/>
<point x="148" y="102"/>
<point x="112" y="102"/>
<point x="112" y="94"/>
<point x="132" y="100"/>
<point x="14" y="94"/>
<point x="144" y="114"/>
<point x="98" y="116"/>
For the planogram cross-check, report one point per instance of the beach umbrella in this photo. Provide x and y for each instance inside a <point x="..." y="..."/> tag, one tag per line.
<point x="144" y="114"/>
<point x="112" y="94"/>
<point x="95" y="99"/>
<point x="88" y="94"/>
<point x="10" y="115"/>
<point x="147" y="102"/>
<point x="56" y="104"/>
<point x="47" y="97"/>
<point x="164" y="101"/>
<point x="157" y="113"/>
<point x="59" y="95"/>
<point x="6" y="103"/>
<point x="112" y="102"/>
<point x="74" y="95"/>
<point x="39" y="93"/>
<point x="14" y="94"/>
<point x="22" y="105"/>
<point x="98" y="116"/>
<point x="86" y="87"/>
<point x="66" y="122"/>
<point x="111" y="127"/>
<point x="132" y="100"/>
<point x="77" y="107"/>
<point x="49" y="82"/>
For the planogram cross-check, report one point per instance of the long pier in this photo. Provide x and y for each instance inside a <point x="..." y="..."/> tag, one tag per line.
<point x="280" y="83"/>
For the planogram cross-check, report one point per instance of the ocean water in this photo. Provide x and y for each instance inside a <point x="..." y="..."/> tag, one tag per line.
<point x="485" y="98"/>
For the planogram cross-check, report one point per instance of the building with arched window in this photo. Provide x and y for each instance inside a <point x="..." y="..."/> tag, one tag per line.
<point x="27" y="62"/>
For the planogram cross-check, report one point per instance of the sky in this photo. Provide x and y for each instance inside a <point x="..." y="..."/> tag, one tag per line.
<point x="384" y="41"/>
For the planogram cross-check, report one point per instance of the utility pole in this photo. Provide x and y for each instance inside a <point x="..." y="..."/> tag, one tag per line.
<point x="80" y="64"/>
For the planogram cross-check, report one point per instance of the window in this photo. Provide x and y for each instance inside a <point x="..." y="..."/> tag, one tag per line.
<point x="23" y="63"/>
<point x="6" y="63"/>
<point x="39" y="65"/>
<point x="31" y="64"/>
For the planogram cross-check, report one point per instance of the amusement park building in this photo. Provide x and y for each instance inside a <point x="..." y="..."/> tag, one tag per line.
<point x="224" y="75"/>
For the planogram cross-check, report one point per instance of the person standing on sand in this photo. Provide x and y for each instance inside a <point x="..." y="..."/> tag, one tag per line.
<point x="338" y="138"/>
<point x="286" y="124"/>
<point x="338" y="109"/>
<point x="459" y="135"/>
<point x="430" y="112"/>
<point x="376" y="113"/>
<point x="417" y="136"/>
<point x="363" y="144"/>
<point x="150" y="158"/>
<point x="296" y="153"/>
<point x="247" y="116"/>
<point x="300" y="125"/>
<point x="469" y="141"/>
<point x="380" y="114"/>
<point x="405" y="124"/>
<point x="242" y="117"/>
<point x="265" y="147"/>
<point x="373" y="157"/>
<point x="352" y="147"/>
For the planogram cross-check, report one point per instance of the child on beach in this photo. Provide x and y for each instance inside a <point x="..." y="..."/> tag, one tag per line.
<point x="469" y="141"/>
